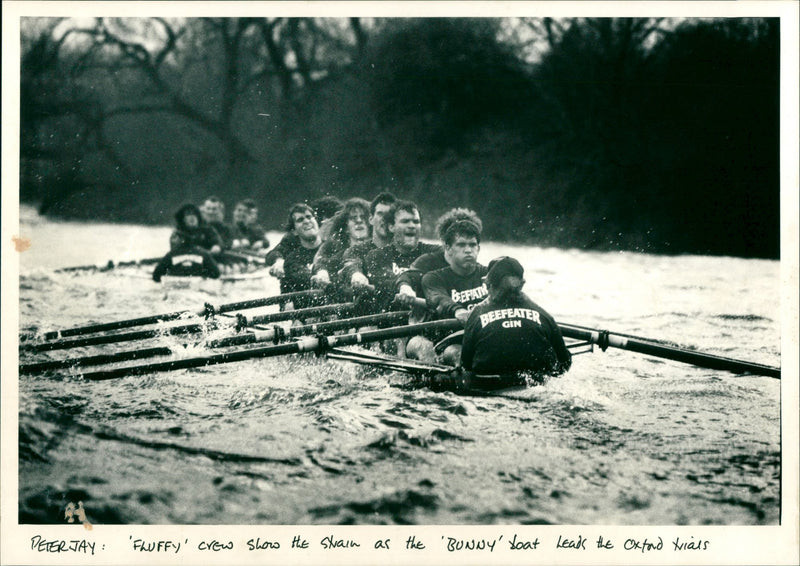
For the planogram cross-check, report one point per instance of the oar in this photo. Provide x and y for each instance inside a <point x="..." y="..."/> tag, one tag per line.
<point x="207" y="311"/>
<point x="239" y="322"/>
<point x="338" y="309"/>
<point x="605" y="339"/>
<point x="243" y="257"/>
<point x="110" y="265"/>
<point x="276" y="335"/>
<point x="308" y="344"/>
<point x="97" y="360"/>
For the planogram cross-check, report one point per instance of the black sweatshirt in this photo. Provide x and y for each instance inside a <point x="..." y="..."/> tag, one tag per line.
<point x="518" y="335"/>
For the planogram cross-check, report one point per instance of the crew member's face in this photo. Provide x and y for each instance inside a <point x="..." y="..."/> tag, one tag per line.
<point x="191" y="221"/>
<point x="241" y="214"/>
<point x="357" y="225"/>
<point x="406" y="229"/>
<point x="305" y="225"/>
<point x="378" y="226"/>
<point x="213" y="211"/>
<point x="463" y="253"/>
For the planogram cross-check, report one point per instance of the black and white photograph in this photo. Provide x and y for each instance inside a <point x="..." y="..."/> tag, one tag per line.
<point x="399" y="282"/>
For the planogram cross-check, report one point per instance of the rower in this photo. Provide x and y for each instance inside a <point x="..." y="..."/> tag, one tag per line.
<point x="247" y="233"/>
<point x="290" y="242"/>
<point x="451" y="292"/>
<point x="383" y="265"/>
<point x="508" y="335"/>
<point x="347" y="228"/>
<point x="213" y="211"/>
<point x="296" y="259"/>
<point x="352" y="270"/>
<point x="409" y="283"/>
<point x="194" y="231"/>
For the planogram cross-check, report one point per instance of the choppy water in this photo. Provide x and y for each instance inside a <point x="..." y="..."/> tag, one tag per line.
<point x="621" y="439"/>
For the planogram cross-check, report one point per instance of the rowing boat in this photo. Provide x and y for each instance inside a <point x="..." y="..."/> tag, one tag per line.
<point x="233" y="266"/>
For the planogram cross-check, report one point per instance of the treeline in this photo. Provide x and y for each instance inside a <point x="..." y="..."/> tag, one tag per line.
<point x="656" y="135"/>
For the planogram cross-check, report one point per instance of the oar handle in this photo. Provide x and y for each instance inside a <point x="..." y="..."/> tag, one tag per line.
<point x="415" y="302"/>
<point x="267" y="301"/>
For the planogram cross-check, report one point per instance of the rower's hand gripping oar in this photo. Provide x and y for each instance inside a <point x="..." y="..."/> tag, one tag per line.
<point x="410" y="301"/>
<point x="605" y="339"/>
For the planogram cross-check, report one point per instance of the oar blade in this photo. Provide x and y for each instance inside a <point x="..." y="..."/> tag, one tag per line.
<point x="606" y="339"/>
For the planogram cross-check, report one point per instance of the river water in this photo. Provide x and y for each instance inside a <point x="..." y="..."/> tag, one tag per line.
<point x="621" y="439"/>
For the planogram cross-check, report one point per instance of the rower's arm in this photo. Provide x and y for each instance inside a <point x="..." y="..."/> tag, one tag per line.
<point x="438" y="296"/>
<point x="352" y="262"/>
<point x="411" y="277"/>
<point x="280" y="250"/>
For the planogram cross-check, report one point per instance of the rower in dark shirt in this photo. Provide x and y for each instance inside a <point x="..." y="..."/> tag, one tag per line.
<point x="213" y="211"/>
<point x="383" y="265"/>
<point x="186" y="260"/>
<point x="451" y="295"/>
<point x="191" y="246"/>
<point x="451" y="292"/>
<point x="275" y="257"/>
<point x="297" y="259"/>
<point x="347" y="228"/>
<point x="247" y="234"/>
<point x="352" y="270"/>
<point x="409" y="283"/>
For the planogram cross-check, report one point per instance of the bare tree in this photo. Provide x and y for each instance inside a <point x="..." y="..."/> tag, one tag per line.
<point x="205" y="71"/>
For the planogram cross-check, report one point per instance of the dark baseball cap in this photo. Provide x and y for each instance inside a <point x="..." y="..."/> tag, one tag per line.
<point x="501" y="267"/>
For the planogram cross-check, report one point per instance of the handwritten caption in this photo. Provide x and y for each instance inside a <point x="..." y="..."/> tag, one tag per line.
<point x="511" y="542"/>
